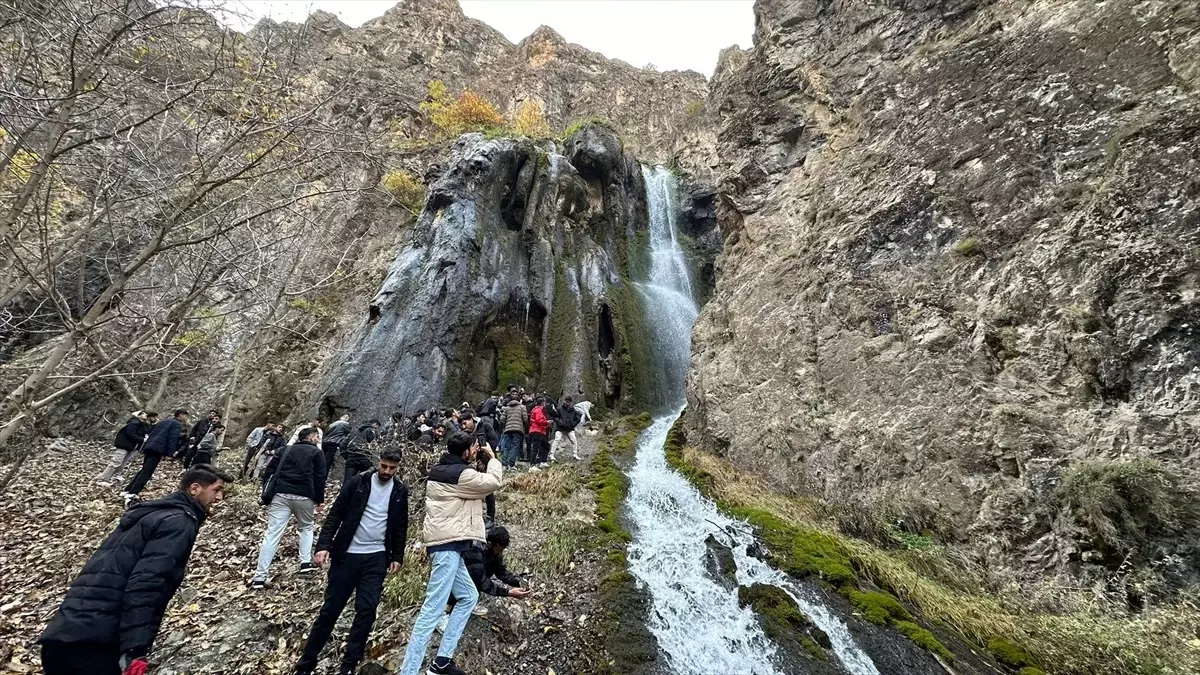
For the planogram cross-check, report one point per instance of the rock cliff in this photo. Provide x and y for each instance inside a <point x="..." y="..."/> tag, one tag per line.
<point x="960" y="272"/>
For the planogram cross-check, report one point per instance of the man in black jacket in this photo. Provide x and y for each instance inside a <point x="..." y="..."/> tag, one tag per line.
<point x="113" y="609"/>
<point x="356" y="450"/>
<point x="163" y="441"/>
<point x="296" y="479"/>
<point x="334" y="435"/>
<point x="564" y="428"/>
<point x="197" y="434"/>
<point x="364" y="535"/>
<point x="128" y="443"/>
<point x="486" y="566"/>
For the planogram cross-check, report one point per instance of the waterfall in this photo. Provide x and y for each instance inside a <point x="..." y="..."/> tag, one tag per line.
<point x="698" y="623"/>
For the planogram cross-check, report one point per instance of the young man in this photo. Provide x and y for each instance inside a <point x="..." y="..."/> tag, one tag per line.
<point x="298" y="490"/>
<point x="516" y="420"/>
<point x="163" y="441"/>
<point x="207" y="450"/>
<point x="487" y="569"/>
<point x="272" y="442"/>
<point x="334" y="435"/>
<point x="128" y="443"/>
<point x="454" y="497"/>
<point x="567" y="420"/>
<point x="197" y="434"/>
<point x="364" y="537"/>
<point x="356" y="450"/>
<point x="539" y="427"/>
<point x="314" y="423"/>
<point x="113" y="609"/>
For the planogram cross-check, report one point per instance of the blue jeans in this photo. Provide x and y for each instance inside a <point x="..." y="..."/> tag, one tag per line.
<point x="510" y="447"/>
<point x="449" y="575"/>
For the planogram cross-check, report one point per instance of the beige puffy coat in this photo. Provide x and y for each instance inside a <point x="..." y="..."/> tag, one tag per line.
<point x="454" y="498"/>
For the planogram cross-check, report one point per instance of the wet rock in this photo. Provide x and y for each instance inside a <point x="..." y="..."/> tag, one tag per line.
<point x="594" y="150"/>
<point x="720" y="561"/>
<point x="789" y="629"/>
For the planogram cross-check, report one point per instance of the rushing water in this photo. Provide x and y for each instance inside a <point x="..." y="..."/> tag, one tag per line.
<point x="698" y="623"/>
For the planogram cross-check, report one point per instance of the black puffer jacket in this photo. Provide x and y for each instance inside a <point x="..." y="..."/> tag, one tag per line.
<point x="337" y="532"/>
<point x="120" y="596"/>
<point x="484" y="566"/>
<point x="164" y="437"/>
<point x="568" y="418"/>
<point x="302" y="474"/>
<point x="132" y="435"/>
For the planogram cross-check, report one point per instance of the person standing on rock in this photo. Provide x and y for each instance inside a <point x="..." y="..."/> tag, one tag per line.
<point x="334" y="435"/>
<point x="293" y="485"/>
<point x="128" y="443"/>
<point x="113" y="609"/>
<point x="356" y="450"/>
<point x="567" y="420"/>
<point x="163" y="441"/>
<point x="516" y="420"/>
<point x="364" y="536"/>
<point x="454" y="496"/>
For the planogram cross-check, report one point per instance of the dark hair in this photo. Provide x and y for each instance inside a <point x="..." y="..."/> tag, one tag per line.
<point x="151" y="414"/>
<point x="391" y="455"/>
<point x="203" y="475"/>
<point x="567" y="399"/>
<point x="459" y="443"/>
<point x="180" y="411"/>
<point x="498" y="535"/>
<point x="466" y="415"/>
<point x="305" y="432"/>
<point x="216" y="426"/>
<point x="372" y="423"/>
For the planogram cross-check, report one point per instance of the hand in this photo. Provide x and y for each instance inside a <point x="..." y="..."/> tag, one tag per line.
<point x="393" y="568"/>
<point x="519" y="593"/>
<point x="136" y="667"/>
<point x="321" y="558"/>
<point x="318" y="509"/>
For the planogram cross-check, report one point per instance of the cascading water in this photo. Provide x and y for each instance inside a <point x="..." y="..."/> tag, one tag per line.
<point x="698" y="623"/>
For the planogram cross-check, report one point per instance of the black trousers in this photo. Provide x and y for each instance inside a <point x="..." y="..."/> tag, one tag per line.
<point x="330" y="449"/>
<point x="355" y="464"/>
<point x="80" y="658"/>
<point x="150" y="462"/>
<point x="201" y="457"/>
<point x="362" y="575"/>
<point x="189" y="456"/>
<point x="539" y="448"/>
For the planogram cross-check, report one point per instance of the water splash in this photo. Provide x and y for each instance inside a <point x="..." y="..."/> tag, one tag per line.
<point x="699" y="624"/>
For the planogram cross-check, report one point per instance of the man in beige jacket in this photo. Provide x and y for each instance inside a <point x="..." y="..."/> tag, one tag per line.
<point x="454" y="498"/>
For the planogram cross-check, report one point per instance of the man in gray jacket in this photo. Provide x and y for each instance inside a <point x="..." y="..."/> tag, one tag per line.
<point x="515" y="419"/>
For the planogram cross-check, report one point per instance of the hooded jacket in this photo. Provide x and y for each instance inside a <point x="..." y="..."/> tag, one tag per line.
<point x="485" y="566"/>
<point x="454" y="497"/>
<point x="568" y="418"/>
<point x="346" y="513"/>
<point x="303" y="473"/>
<point x="538" y="422"/>
<point x="132" y="435"/>
<point x="515" y="417"/>
<point x="164" y="437"/>
<point x="120" y="596"/>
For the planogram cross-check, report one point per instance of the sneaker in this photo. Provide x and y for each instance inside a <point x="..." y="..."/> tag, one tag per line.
<point x="536" y="467"/>
<point x="130" y="499"/>
<point x="308" y="568"/>
<point x="448" y="668"/>
<point x="442" y="623"/>
<point x="479" y="610"/>
<point x="575" y="457"/>
<point x="258" y="584"/>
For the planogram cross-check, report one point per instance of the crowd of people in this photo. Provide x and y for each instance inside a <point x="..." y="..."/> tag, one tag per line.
<point x="107" y="623"/>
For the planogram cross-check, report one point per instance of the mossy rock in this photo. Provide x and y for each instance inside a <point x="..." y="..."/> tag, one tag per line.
<point x="924" y="639"/>
<point x="782" y="619"/>
<point x="1010" y="654"/>
<point x="801" y="551"/>
<point x="876" y="607"/>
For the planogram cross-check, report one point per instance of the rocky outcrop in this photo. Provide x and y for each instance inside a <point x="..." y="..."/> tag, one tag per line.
<point x="515" y="274"/>
<point x="961" y="254"/>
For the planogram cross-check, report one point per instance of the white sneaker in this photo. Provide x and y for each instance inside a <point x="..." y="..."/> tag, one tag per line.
<point x="575" y="457"/>
<point x="479" y="610"/>
<point x="536" y="467"/>
<point x="442" y="623"/>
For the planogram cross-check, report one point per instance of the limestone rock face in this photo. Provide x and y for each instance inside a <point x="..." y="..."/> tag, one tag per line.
<point x="961" y="256"/>
<point x="515" y="274"/>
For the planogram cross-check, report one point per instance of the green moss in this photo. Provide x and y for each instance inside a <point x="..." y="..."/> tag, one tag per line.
<point x="635" y="346"/>
<point x="577" y="125"/>
<point x="1010" y="654"/>
<point x="780" y="615"/>
<point x="876" y="607"/>
<point x="967" y="247"/>
<point x="814" y="650"/>
<point x="1030" y="670"/>
<point x="673" y="450"/>
<point x="801" y="551"/>
<point x="610" y="485"/>
<point x="560" y="334"/>
<point x="924" y="638"/>
<point x="514" y="364"/>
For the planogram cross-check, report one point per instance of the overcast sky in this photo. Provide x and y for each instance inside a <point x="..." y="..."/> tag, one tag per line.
<point x="671" y="34"/>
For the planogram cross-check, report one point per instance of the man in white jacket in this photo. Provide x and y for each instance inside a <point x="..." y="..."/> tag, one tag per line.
<point x="454" y="498"/>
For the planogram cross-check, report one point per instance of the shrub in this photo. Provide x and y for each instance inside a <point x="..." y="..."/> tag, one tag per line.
<point x="967" y="247"/>
<point x="1123" y="504"/>
<point x="404" y="188"/>
<point x="577" y="125"/>
<point x="454" y="117"/>
<point x="694" y="107"/>
<point x="531" y="120"/>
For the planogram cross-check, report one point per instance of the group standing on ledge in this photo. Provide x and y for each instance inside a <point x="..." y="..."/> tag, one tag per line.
<point x="107" y="623"/>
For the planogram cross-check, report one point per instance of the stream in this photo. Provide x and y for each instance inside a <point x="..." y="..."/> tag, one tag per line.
<point x="699" y="625"/>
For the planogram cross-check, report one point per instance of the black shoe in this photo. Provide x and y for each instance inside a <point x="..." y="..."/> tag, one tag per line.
<point x="448" y="669"/>
<point x="308" y="568"/>
<point x="257" y="584"/>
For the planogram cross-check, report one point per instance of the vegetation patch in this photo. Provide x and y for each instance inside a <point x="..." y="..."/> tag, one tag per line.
<point x="781" y="618"/>
<point x="405" y="189"/>
<point x="967" y="247"/>
<point x="455" y="116"/>
<point x="578" y="125"/>
<point x="610" y="485"/>
<point x="561" y="333"/>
